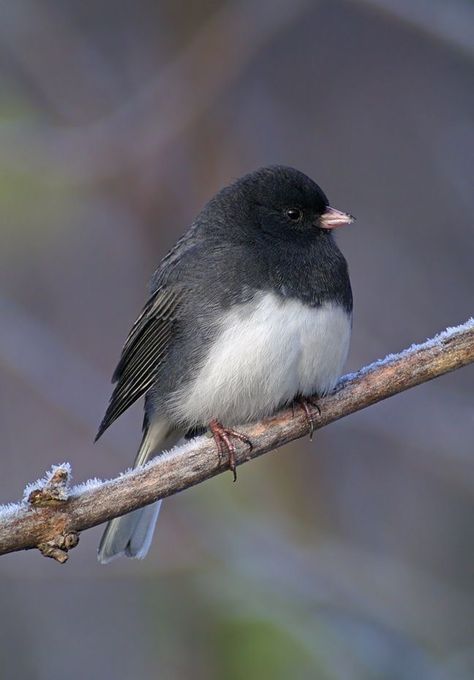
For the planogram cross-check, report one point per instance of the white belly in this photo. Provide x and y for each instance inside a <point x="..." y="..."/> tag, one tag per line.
<point x="266" y="353"/>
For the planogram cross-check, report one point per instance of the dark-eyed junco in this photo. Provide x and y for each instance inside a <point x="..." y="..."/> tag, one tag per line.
<point x="249" y="311"/>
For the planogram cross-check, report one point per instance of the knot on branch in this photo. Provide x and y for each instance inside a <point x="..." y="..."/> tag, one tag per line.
<point x="58" y="547"/>
<point x="52" y="490"/>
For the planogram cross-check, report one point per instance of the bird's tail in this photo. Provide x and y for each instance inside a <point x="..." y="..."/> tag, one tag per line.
<point x="131" y="534"/>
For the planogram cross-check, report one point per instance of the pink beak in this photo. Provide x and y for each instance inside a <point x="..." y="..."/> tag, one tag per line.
<point x="333" y="218"/>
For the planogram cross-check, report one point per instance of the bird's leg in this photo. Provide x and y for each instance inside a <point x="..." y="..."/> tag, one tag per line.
<point x="222" y="437"/>
<point x="307" y="404"/>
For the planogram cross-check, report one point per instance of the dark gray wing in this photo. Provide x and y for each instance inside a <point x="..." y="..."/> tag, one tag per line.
<point x="144" y="350"/>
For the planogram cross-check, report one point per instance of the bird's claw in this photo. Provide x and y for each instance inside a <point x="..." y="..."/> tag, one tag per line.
<point x="308" y="403"/>
<point x="222" y="436"/>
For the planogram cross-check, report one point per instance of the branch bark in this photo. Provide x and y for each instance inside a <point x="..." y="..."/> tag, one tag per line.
<point x="51" y="515"/>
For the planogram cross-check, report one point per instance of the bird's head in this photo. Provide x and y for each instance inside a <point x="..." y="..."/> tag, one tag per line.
<point x="282" y="201"/>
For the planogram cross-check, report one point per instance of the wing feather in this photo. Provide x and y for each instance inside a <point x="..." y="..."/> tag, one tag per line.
<point x="144" y="351"/>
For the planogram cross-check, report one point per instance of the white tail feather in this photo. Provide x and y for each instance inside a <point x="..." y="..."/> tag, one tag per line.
<point x="131" y="535"/>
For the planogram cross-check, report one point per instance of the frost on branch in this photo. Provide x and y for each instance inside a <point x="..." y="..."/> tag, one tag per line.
<point x="52" y="489"/>
<point x="437" y="341"/>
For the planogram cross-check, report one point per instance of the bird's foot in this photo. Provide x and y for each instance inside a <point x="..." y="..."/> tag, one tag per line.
<point x="308" y="404"/>
<point x="223" y="438"/>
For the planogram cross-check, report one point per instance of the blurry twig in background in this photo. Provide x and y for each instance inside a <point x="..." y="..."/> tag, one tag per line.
<point x="36" y="354"/>
<point x="451" y="21"/>
<point x="162" y="110"/>
<point x="50" y="522"/>
<point x="32" y="351"/>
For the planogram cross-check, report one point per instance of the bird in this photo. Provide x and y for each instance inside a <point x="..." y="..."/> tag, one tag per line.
<point x="250" y="311"/>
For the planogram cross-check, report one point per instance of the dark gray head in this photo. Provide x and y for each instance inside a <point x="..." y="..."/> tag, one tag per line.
<point x="276" y="200"/>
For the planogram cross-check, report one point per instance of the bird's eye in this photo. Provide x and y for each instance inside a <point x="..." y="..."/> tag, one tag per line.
<point x="295" y="214"/>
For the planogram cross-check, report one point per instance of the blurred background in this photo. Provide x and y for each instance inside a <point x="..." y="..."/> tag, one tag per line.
<point x="350" y="557"/>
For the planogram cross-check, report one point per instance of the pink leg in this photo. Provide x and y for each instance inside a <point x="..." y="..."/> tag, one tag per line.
<point x="307" y="404"/>
<point x="222" y="437"/>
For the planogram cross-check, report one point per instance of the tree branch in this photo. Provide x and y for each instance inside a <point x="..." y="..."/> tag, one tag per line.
<point x="51" y="514"/>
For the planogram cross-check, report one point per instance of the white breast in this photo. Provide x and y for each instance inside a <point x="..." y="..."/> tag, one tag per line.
<point x="267" y="352"/>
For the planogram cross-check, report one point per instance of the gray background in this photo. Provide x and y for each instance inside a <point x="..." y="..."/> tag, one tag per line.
<point x="348" y="557"/>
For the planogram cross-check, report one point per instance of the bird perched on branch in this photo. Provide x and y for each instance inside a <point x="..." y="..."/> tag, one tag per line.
<point x="251" y="310"/>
